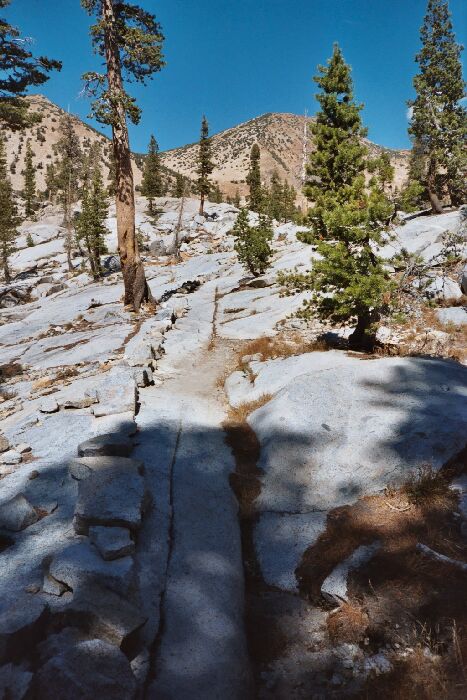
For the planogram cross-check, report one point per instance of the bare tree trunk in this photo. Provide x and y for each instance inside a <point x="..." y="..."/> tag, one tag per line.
<point x="134" y="279"/>
<point x="436" y="205"/>
<point x="178" y="229"/>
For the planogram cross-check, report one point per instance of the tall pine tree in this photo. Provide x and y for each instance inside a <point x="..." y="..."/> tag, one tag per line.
<point x="439" y="120"/>
<point x="70" y="160"/>
<point x="9" y="220"/>
<point x="91" y="227"/>
<point x="19" y="69"/>
<point x="152" y="186"/>
<point x="205" y="164"/>
<point x="29" y="190"/>
<point x="254" y="179"/>
<point x="129" y="39"/>
<point x="348" y="283"/>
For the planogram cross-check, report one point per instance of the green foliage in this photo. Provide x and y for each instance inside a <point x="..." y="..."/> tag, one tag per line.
<point x="205" y="164"/>
<point x="216" y="195"/>
<point x="181" y="187"/>
<point x="252" y="242"/>
<point x="411" y="197"/>
<point x="254" y="179"/>
<point x="348" y="282"/>
<point x="138" y="38"/>
<point x="236" y="200"/>
<point x="152" y="185"/>
<point x="29" y="191"/>
<point x="383" y="171"/>
<point x="69" y="165"/>
<point x="90" y="225"/>
<point x="278" y="200"/>
<point x="51" y="183"/>
<point x="439" y="121"/>
<point x="29" y="241"/>
<point x="9" y="220"/>
<point x="19" y="69"/>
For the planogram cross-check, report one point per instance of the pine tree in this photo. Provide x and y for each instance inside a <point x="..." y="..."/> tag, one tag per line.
<point x="216" y="194"/>
<point x="9" y="220"/>
<point x="254" y="179"/>
<point x="90" y="227"/>
<point x="439" y="120"/>
<point x="69" y="167"/>
<point x="252" y="242"/>
<point x="383" y="171"/>
<point x="51" y="183"/>
<point x="205" y="164"/>
<point x="237" y="199"/>
<point x="349" y="282"/>
<point x="130" y="40"/>
<point x="181" y="186"/>
<point x="29" y="191"/>
<point x="151" y="186"/>
<point x="19" y="69"/>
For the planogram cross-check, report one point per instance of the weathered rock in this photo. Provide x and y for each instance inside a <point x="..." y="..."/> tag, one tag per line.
<point x="114" y="495"/>
<point x="4" y="444"/>
<point x="455" y="315"/>
<point x="118" y="394"/>
<point x="334" y="587"/>
<point x="112" y="264"/>
<point x="11" y="457"/>
<point x="17" y="514"/>
<point x="463" y="280"/>
<point x="49" y="405"/>
<point x="83" y="467"/>
<point x="21" y="625"/>
<point x="103" y="613"/>
<point x="79" y="402"/>
<point x="112" y="542"/>
<point x="86" y="671"/>
<point x="158" y="248"/>
<point x="23" y="448"/>
<point x="109" y="445"/>
<point x="144" y="377"/>
<point x="55" y="288"/>
<point x="80" y="567"/>
<point x="15" y="681"/>
<point x="51" y="586"/>
<point x="443" y="288"/>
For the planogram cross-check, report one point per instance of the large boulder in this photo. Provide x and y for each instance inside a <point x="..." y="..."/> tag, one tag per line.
<point x="455" y="315"/>
<point x="17" y="514"/>
<point x="85" y="671"/>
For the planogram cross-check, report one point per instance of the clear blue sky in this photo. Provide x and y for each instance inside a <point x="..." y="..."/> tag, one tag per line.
<point x="237" y="59"/>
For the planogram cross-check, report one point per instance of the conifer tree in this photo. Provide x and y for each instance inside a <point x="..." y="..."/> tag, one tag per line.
<point x="439" y="120"/>
<point x="29" y="190"/>
<point x="130" y="40"/>
<point x="90" y="227"/>
<point x="254" y="179"/>
<point x="205" y="164"/>
<point x="152" y="186"/>
<point x="237" y="199"/>
<point x="19" y="69"/>
<point x="216" y="194"/>
<point x="9" y="220"/>
<point x="348" y="283"/>
<point x="180" y="187"/>
<point x="51" y="185"/>
<point x="383" y="171"/>
<point x="252" y="243"/>
<point x="69" y="168"/>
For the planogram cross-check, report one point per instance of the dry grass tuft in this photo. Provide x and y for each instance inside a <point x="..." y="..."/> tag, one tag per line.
<point x="240" y="413"/>
<point x="425" y="485"/>
<point x="10" y="370"/>
<point x="281" y="346"/>
<point x="348" y="624"/>
<point x="61" y="375"/>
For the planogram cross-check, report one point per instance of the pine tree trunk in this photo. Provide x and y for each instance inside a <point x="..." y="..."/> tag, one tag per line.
<point x="134" y="280"/>
<point x="436" y="205"/>
<point x="201" y="204"/>
<point x="361" y="338"/>
<point x="6" y="270"/>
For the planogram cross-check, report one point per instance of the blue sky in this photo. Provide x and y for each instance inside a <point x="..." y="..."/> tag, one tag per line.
<point x="235" y="60"/>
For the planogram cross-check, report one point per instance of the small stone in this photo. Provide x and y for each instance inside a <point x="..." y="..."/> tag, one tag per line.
<point x="52" y="586"/>
<point x="112" y="542"/>
<point x="23" y="448"/>
<point x="4" y="444"/>
<point x="11" y="457"/>
<point x="49" y="405"/>
<point x="33" y="475"/>
<point x="17" y="514"/>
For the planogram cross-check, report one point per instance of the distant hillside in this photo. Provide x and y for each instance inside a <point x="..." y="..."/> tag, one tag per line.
<point x="281" y="139"/>
<point x="44" y="137"/>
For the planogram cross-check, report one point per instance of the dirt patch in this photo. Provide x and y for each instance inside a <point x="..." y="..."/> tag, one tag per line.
<point x="400" y="601"/>
<point x="10" y="370"/>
